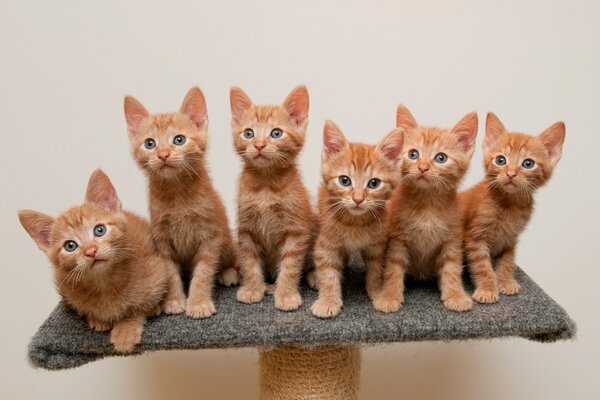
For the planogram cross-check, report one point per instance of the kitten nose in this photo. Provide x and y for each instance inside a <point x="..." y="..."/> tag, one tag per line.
<point x="91" y="251"/>
<point x="358" y="201"/>
<point x="163" y="155"/>
<point x="511" y="174"/>
<point x="259" y="146"/>
<point x="423" y="168"/>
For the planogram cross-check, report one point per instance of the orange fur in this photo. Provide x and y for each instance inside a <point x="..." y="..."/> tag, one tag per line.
<point x="115" y="280"/>
<point x="352" y="218"/>
<point x="496" y="211"/>
<point x="188" y="219"/>
<point x="275" y="219"/>
<point x="424" y="231"/>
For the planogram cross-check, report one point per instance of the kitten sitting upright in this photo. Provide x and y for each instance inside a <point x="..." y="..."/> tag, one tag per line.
<point x="275" y="219"/>
<point x="105" y="266"/>
<point x="425" y="231"/>
<point x="187" y="216"/>
<point x="496" y="211"/>
<point x="358" y="179"/>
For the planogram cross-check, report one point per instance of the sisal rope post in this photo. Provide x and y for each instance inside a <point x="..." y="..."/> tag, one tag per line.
<point x="294" y="373"/>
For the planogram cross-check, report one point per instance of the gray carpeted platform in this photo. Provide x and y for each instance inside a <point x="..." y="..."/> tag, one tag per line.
<point x="64" y="341"/>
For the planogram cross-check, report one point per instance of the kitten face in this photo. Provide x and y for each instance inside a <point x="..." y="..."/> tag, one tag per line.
<point x="170" y="144"/>
<point x="433" y="157"/>
<point x="359" y="177"/>
<point x="516" y="162"/>
<point x="269" y="136"/>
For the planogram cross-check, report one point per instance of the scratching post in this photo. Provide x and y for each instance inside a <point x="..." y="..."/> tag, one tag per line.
<point x="317" y="373"/>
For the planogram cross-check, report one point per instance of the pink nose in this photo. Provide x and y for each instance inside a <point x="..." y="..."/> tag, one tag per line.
<point x="259" y="146"/>
<point x="91" y="252"/>
<point x="423" y="168"/>
<point x="358" y="201"/>
<point x="164" y="156"/>
<point x="511" y="175"/>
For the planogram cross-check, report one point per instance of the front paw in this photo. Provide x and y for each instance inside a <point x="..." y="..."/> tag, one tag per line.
<point x="173" y="306"/>
<point x="98" y="326"/>
<point x="387" y="304"/>
<point x="311" y="280"/>
<point x="228" y="277"/>
<point x="250" y="295"/>
<point x="509" y="288"/>
<point x="483" y="295"/>
<point x="458" y="302"/>
<point x="125" y="337"/>
<point x="288" y="301"/>
<point x="197" y="310"/>
<point x="326" y="308"/>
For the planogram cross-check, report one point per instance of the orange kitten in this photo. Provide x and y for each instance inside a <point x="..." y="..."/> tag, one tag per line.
<point x="495" y="211"/>
<point x="424" y="230"/>
<point x="358" y="179"/>
<point x="105" y="266"/>
<point x="275" y="218"/>
<point x="187" y="216"/>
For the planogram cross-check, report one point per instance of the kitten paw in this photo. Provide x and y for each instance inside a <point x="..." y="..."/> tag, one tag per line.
<point x="124" y="337"/>
<point x="228" y="277"/>
<point x="459" y="302"/>
<point x="201" y="310"/>
<point x="387" y="304"/>
<point x="249" y="296"/>
<point x="288" y="301"/>
<point x="311" y="280"/>
<point x="486" y="295"/>
<point x="509" y="288"/>
<point x="98" y="326"/>
<point x="326" y="309"/>
<point x="173" y="306"/>
<point x="157" y="311"/>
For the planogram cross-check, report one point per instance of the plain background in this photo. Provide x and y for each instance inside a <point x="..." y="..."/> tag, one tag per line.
<point x="66" y="66"/>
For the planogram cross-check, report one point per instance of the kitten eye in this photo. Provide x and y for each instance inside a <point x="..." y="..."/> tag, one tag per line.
<point x="149" y="144"/>
<point x="179" y="140"/>
<point x="413" y="154"/>
<point x="500" y="160"/>
<point x="528" y="163"/>
<point x="70" y="246"/>
<point x="441" y="158"/>
<point x="344" y="180"/>
<point x="276" y="133"/>
<point x="99" y="230"/>
<point x="374" y="183"/>
<point x="248" y="134"/>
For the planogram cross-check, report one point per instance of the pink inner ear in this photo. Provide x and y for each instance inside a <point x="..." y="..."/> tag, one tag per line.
<point x="466" y="131"/>
<point x="135" y="113"/>
<point x="100" y="191"/>
<point x="296" y="104"/>
<point x="333" y="138"/>
<point x="194" y="106"/>
<point x="391" y="146"/>
<point x="240" y="103"/>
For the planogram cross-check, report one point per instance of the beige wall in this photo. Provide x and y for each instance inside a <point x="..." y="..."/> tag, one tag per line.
<point x="65" y="67"/>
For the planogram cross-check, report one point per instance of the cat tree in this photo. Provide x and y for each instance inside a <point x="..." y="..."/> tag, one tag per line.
<point x="301" y="356"/>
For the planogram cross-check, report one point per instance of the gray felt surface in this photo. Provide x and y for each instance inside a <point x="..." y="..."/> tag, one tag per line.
<point x="64" y="340"/>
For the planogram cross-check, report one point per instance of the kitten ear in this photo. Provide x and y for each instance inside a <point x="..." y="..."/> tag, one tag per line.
<point x="240" y="103"/>
<point x="390" y="146"/>
<point x="194" y="106"/>
<point x="334" y="141"/>
<point x="404" y="119"/>
<point x="553" y="139"/>
<point x="296" y="104"/>
<point x="39" y="226"/>
<point x="493" y="130"/>
<point x="466" y="131"/>
<point x="135" y="114"/>
<point x="101" y="192"/>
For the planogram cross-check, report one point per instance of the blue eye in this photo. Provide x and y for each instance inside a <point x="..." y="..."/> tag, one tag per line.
<point x="179" y="140"/>
<point x="441" y="158"/>
<point x="500" y="160"/>
<point x="99" y="230"/>
<point x="70" y="246"/>
<point x="276" y="133"/>
<point x="528" y="163"/>
<point x="149" y="144"/>
<point x="248" y="133"/>
<point x="344" y="180"/>
<point x="413" y="154"/>
<point x="374" y="183"/>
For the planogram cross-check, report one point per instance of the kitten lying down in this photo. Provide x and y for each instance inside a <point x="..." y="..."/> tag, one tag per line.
<point x="105" y="266"/>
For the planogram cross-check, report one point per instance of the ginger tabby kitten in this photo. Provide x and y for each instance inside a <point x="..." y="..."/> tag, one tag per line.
<point x="188" y="219"/>
<point x="496" y="211"/>
<point x="424" y="231"/>
<point x="105" y="266"/>
<point x="275" y="219"/>
<point x="358" y="179"/>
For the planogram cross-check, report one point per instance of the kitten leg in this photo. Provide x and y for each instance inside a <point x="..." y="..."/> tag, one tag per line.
<point x="287" y="292"/>
<point x="482" y="272"/>
<point x="328" y="272"/>
<point x="505" y="268"/>
<point x="174" y="301"/>
<point x="450" y="280"/>
<point x="253" y="285"/>
<point x="97" y="325"/>
<point x="127" y="333"/>
<point x="199" y="303"/>
<point x="374" y="257"/>
<point x="391" y="296"/>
